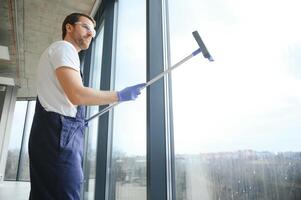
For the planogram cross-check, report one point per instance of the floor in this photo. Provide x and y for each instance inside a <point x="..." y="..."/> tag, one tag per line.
<point x="11" y="190"/>
<point x="14" y="190"/>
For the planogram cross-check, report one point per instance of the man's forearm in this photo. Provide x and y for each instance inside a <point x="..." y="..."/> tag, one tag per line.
<point x="90" y="96"/>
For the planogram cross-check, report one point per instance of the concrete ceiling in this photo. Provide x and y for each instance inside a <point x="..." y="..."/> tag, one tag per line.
<point x="27" y="28"/>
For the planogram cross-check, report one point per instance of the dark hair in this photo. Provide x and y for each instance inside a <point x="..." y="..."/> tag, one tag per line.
<point x="71" y="19"/>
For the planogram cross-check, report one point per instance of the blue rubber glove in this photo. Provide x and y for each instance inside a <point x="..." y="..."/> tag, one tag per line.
<point x="130" y="93"/>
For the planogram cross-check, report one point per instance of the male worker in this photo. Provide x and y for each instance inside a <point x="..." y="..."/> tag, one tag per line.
<point x="57" y="133"/>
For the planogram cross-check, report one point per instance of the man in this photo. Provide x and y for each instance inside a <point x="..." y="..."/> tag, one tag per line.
<point x="57" y="133"/>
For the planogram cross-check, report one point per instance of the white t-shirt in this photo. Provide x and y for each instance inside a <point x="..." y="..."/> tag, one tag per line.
<point x="50" y="92"/>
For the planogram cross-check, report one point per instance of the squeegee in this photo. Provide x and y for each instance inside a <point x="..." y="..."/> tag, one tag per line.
<point x="202" y="48"/>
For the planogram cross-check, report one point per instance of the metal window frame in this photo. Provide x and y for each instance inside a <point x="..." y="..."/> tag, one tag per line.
<point x="105" y="14"/>
<point x="105" y="17"/>
<point x="160" y="153"/>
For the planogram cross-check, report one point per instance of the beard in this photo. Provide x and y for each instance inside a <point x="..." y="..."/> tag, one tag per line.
<point x="83" y="43"/>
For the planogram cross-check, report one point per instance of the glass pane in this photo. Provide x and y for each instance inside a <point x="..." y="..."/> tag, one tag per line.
<point x="128" y="177"/>
<point x="24" y="159"/>
<point x="15" y="140"/>
<point x="92" y="131"/>
<point x="237" y="120"/>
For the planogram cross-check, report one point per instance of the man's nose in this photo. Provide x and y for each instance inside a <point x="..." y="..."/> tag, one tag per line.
<point x="90" y="33"/>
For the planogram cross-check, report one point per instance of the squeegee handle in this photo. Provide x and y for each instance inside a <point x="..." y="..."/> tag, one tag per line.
<point x="159" y="76"/>
<point x="103" y="111"/>
<point x="202" y="49"/>
<point x="156" y="78"/>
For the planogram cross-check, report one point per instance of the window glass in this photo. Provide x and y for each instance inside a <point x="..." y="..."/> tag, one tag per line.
<point x="128" y="177"/>
<point x="15" y="140"/>
<point x="92" y="130"/>
<point x="237" y="120"/>
<point x="24" y="159"/>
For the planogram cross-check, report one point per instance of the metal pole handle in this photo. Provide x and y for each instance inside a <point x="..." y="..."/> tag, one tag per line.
<point x="156" y="78"/>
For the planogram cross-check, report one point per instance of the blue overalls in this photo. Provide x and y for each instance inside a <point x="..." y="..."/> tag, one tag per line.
<point x="56" y="155"/>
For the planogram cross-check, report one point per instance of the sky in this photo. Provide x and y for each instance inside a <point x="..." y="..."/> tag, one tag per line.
<point x="248" y="98"/>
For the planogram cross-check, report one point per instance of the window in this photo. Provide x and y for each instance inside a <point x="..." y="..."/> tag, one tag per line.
<point x="17" y="164"/>
<point x="24" y="159"/>
<point x="237" y="120"/>
<point x="128" y="179"/>
<point x="15" y="140"/>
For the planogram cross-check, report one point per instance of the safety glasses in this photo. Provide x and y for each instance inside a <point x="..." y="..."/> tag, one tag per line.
<point x="87" y="27"/>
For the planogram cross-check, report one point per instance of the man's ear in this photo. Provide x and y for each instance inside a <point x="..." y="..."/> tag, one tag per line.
<point x="68" y="27"/>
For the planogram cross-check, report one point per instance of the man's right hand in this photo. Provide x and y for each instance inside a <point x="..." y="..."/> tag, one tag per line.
<point x="130" y="93"/>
